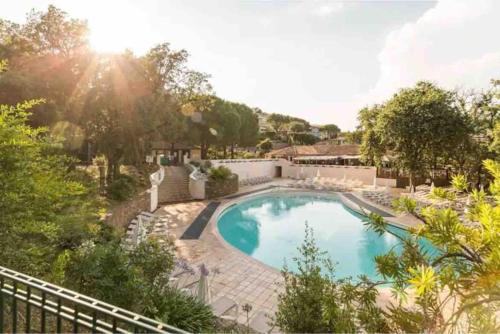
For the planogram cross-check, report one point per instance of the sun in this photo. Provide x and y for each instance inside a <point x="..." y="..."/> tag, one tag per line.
<point x="116" y="32"/>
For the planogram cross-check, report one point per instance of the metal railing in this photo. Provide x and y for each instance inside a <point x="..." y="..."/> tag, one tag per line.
<point x="30" y="305"/>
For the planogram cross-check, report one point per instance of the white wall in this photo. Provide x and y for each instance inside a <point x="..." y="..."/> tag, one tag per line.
<point x="249" y="168"/>
<point x="361" y="173"/>
<point x="197" y="188"/>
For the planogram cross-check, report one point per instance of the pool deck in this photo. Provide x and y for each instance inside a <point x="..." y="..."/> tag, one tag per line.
<point x="239" y="276"/>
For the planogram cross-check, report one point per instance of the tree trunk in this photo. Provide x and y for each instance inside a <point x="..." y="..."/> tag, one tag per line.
<point x="412" y="183"/>
<point x="116" y="170"/>
<point x="478" y="185"/>
<point x="224" y="149"/>
<point x="203" y="151"/>
<point x="232" y="151"/>
<point x="109" y="172"/>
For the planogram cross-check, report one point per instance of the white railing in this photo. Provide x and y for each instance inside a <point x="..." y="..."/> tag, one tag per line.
<point x="196" y="182"/>
<point x="156" y="179"/>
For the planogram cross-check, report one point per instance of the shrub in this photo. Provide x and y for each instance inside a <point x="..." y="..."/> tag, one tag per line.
<point x="185" y="311"/>
<point x="313" y="302"/>
<point x="459" y="182"/>
<point x="249" y="155"/>
<point x="137" y="280"/>
<point x="220" y="173"/>
<point x="266" y="145"/>
<point x="441" y="193"/>
<point x="122" y="188"/>
<point x="404" y="204"/>
<point x="205" y="166"/>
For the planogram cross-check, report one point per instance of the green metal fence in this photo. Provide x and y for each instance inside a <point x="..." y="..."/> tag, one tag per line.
<point x="28" y="304"/>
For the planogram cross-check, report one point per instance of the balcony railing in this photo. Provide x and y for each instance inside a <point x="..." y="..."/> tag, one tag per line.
<point x="30" y="305"/>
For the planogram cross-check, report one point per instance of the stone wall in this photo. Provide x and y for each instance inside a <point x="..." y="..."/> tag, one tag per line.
<point x="219" y="188"/>
<point x="123" y="213"/>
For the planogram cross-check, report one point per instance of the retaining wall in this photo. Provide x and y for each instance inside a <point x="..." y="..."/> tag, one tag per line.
<point x="219" y="188"/>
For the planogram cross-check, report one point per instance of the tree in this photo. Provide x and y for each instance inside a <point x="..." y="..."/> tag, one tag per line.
<point x="353" y="137"/>
<point x="458" y="288"/>
<point x="331" y="130"/>
<point x="371" y="148"/>
<point x="48" y="57"/>
<point x="249" y="131"/>
<point x="265" y="145"/>
<point x="482" y="112"/>
<point x="45" y="207"/>
<point x="231" y="126"/>
<point x="419" y="124"/>
<point x="109" y="106"/>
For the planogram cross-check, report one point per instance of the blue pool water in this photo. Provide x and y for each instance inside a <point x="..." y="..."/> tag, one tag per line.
<point x="271" y="227"/>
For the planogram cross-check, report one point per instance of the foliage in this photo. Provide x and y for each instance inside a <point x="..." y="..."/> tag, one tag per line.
<point x="45" y="207"/>
<point x="332" y="130"/>
<point x="441" y="193"/>
<point x="352" y="137"/>
<point x="459" y="182"/>
<point x="404" y="204"/>
<point x="122" y="188"/>
<point x="185" y="311"/>
<point x="456" y="289"/>
<point x="371" y="148"/>
<point x="114" y="105"/>
<point x="420" y="124"/>
<point x="266" y="145"/>
<point x="314" y="302"/>
<point x="305" y="139"/>
<point x="136" y="280"/>
<point x="219" y="173"/>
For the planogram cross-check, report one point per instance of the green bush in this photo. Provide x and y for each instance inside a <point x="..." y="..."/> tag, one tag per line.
<point x="137" y="280"/>
<point x="122" y="188"/>
<point x="312" y="301"/>
<point x="219" y="173"/>
<point x="185" y="311"/>
<point x="441" y="193"/>
<point x="404" y="204"/>
<point x="459" y="182"/>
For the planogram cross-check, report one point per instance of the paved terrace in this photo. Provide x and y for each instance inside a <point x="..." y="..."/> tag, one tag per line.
<point x="240" y="277"/>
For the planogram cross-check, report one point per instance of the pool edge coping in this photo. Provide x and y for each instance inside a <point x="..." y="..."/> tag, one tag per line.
<point x="227" y="203"/>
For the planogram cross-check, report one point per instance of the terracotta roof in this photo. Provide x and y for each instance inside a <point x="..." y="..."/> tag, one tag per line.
<point x="316" y="150"/>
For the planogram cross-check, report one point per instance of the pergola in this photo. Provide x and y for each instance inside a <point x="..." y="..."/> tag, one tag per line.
<point x="326" y="159"/>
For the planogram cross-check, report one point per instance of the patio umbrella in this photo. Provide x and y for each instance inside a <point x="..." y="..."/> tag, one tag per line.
<point x="203" y="293"/>
<point x="318" y="175"/>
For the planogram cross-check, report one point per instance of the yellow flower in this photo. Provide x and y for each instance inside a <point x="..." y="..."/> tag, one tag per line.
<point x="423" y="279"/>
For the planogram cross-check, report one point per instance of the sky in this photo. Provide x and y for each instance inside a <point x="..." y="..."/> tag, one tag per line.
<point x="314" y="59"/>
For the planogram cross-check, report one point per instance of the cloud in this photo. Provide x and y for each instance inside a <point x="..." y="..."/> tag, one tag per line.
<point x="451" y="44"/>
<point x="327" y="9"/>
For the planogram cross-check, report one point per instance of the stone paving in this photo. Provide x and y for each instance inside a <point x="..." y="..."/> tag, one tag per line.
<point x="233" y="273"/>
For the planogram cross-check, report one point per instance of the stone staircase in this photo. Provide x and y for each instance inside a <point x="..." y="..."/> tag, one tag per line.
<point x="175" y="185"/>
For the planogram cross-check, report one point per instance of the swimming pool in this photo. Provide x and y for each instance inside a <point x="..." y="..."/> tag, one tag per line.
<point x="270" y="227"/>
